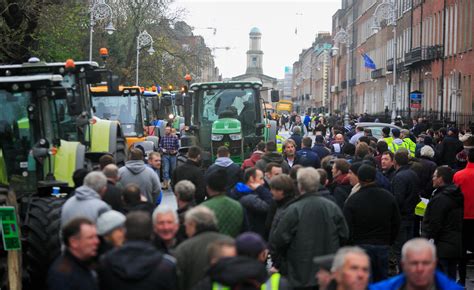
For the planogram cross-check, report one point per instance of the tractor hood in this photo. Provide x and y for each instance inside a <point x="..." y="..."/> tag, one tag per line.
<point x="226" y="126"/>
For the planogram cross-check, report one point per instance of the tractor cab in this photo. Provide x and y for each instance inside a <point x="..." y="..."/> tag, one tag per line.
<point x="228" y="114"/>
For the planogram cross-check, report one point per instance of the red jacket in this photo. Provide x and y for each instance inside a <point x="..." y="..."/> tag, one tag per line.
<point x="250" y="162"/>
<point x="465" y="180"/>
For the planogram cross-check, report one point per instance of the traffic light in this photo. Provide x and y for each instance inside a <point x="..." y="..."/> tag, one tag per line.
<point x="170" y="88"/>
<point x="184" y="89"/>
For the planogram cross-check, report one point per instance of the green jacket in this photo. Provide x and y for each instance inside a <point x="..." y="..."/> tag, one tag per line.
<point x="311" y="226"/>
<point x="229" y="214"/>
<point x="192" y="259"/>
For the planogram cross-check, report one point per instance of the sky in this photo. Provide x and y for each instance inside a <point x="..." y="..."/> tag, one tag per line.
<point x="277" y="20"/>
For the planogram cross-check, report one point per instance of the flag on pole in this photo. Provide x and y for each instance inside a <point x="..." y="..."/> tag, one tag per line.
<point x="368" y="62"/>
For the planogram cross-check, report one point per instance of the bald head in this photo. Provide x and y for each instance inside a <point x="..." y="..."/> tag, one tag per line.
<point x="111" y="172"/>
<point x="339" y="138"/>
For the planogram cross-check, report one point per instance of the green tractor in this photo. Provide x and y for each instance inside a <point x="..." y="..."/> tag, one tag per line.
<point x="227" y="114"/>
<point x="47" y="132"/>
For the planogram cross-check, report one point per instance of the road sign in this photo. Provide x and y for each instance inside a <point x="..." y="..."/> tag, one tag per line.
<point x="415" y="99"/>
<point x="11" y="238"/>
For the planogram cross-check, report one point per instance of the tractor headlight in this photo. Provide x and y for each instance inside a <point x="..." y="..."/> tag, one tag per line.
<point x="215" y="137"/>
<point x="235" y="137"/>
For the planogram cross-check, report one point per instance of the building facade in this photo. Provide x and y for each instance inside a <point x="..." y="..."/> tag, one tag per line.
<point x="311" y="76"/>
<point x="432" y="56"/>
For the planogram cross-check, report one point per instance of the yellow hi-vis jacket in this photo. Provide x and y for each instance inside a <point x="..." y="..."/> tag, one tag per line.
<point x="272" y="284"/>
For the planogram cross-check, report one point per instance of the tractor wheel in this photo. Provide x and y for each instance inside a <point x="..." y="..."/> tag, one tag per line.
<point x="120" y="153"/>
<point x="41" y="235"/>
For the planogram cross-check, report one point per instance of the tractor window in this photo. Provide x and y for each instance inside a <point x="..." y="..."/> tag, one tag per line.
<point x="234" y="103"/>
<point x="64" y="125"/>
<point x="16" y="138"/>
<point x="124" y="109"/>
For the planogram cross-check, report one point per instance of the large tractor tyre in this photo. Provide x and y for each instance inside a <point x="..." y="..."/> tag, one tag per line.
<point x="120" y="153"/>
<point x="41" y="235"/>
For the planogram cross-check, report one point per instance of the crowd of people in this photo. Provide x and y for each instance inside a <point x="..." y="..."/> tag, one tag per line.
<point x="345" y="211"/>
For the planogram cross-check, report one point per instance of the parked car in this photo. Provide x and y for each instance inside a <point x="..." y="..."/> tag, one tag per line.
<point x="377" y="127"/>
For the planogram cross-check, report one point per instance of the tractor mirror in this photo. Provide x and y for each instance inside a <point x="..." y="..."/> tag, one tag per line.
<point x="275" y="95"/>
<point x="178" y="99"/>
<point x="113" y="84"/>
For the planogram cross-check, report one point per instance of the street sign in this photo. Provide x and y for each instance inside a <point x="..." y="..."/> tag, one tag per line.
<point x="11" y="238"/>
<point x="415" y="99"/>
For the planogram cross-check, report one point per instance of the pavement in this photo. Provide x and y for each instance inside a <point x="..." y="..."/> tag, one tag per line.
<point x="169" y="199"/>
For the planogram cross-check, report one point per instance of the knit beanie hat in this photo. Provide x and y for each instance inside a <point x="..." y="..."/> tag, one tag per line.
<point x="250" y="244"/>
<point x="366" y="173"/>
<point x="109" y="221"/>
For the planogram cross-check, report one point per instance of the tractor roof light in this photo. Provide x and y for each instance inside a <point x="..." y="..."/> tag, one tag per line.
<point x="70" y="65"/>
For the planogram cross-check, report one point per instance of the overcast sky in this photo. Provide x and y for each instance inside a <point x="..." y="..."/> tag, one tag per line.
<point x="277" y="21"/>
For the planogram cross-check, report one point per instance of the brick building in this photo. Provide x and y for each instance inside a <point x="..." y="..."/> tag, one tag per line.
<point x="434" y="59"/>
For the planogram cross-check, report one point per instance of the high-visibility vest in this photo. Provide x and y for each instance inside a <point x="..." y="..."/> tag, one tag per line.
<point x="394" y="147"/>
<point x="410" y="145"/>
<point x="279" y="143"/>
<point x="272" y="284"/>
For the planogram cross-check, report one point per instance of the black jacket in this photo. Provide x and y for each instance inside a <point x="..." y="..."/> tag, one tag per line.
<point x="113" y="196"/>
<point x="372" y="216"/>
<point x="405" y="188"/>
<point x="237" y="273"/>
<point x="233" y="171"/>
<point x="443" y="221"/>
<point x="137" y="265"/>
<point x="69" y="273"/>
<point x="191" y="171"/>
<point x="256" y="204"/>
<point x="448" y="149"/>
<point x="429" y="167"/>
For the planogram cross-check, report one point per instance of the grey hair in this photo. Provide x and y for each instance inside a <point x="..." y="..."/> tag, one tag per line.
<point x="185" y="190"/>
<point x="417" y="244"/>
<point x="427" y="151"/>
<point x="95" y="180"/>
<point x="110" y="171"/>
<point x="201" y="216"/>
<point x="341" y="254"/>
<point x="308" y="179"/>
<point x="297" y="129"/>
<point x="164" y="209"/>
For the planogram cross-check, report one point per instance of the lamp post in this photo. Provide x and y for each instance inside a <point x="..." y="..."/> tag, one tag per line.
<point x="343" y="37"/>
<point x="143" y="39"/>
<point x="387" y="10"/>
<point x="99" y="11"/>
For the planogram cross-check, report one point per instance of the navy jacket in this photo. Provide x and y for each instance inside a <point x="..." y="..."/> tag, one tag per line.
<point x="321" y="150"/>
<point x="306" y="158"/>
<point x="69" y="273"/>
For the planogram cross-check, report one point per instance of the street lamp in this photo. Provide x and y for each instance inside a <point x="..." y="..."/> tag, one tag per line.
<point x="387" y="10"/>
<point x="343" y="37"/>
<point x="143" y="39"/>
<point x="99" y="11"/>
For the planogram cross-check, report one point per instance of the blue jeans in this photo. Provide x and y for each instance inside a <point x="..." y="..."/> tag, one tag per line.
<point x="378" y="255"/>
<point x="169" y="164"/>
